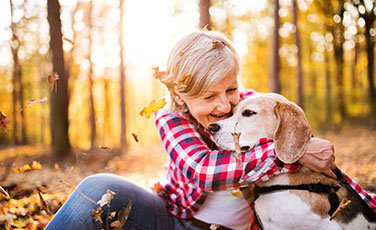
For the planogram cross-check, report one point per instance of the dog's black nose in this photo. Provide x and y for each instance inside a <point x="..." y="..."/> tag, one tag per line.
<point x="245" y="148"/>
<point x="213" y="128"/>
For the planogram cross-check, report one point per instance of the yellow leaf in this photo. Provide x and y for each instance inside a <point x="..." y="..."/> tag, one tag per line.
<point x="36" y="165"/>
<point x="153" y="107"/>
<point x="116" y="224"/>
<point x="236" y="192"/>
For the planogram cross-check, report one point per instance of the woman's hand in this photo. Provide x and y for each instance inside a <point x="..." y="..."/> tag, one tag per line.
<point x="319" y="157"/>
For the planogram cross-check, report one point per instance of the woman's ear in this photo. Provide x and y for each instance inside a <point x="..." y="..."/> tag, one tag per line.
<point x="177" y="98"/>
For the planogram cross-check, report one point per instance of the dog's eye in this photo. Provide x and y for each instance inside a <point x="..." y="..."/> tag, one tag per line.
<point x="248" y="113"/>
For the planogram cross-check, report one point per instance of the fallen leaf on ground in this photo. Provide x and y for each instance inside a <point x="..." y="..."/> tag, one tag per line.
<point x="4" y="193"/>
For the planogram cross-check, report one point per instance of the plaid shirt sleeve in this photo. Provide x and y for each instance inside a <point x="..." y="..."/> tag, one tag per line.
<point x="370" y="200"/>
<point x="213" y="170"/>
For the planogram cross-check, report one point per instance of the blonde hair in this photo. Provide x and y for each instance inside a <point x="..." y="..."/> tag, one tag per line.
<point x="196" y="62"/>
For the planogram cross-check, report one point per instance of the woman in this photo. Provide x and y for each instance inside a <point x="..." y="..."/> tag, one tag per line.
<point x="202" y="79"/>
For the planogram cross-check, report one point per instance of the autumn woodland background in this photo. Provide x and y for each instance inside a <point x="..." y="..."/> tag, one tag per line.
<point x="75" y="75"/>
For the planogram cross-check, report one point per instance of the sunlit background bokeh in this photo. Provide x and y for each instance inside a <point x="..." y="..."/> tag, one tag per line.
<point x="151" y="27"/>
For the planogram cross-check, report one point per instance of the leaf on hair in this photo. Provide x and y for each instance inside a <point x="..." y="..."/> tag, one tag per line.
<point x="181" y="82"/>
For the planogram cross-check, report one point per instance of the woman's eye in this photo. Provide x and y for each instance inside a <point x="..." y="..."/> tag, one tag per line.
<point x="208" y="97"/>
<point x="232" y="89"/>
<point x="248" y="113"/>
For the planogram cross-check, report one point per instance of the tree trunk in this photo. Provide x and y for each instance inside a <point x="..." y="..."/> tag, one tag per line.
<point x="274" y="82"/>
<point x="123" y="140"/>
<point x="59" y="100"/>
<point x="93" y="127"/>
<point x="328" y="88"/>
<point x="338" y="35"/>
<point x="354" y="77"/>
<point x="15" y="72"/>
<point x="299" y="70"/>
<point x="205" y="15"/>
<point x="369" y="18"/>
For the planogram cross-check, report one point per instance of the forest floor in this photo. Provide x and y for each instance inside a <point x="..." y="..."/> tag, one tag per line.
<point x="37" y="194"/>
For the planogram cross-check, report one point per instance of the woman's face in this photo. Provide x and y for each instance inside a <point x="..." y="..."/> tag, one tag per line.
<point x="216" y="103"/>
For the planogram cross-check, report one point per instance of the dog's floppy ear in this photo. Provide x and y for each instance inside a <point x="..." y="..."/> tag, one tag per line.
<point x="292" y="133"/>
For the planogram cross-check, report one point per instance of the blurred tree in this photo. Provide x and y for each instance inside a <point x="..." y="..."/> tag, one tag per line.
<point x="367" y="11"/>
<point x="327" y="8"/>
<point x="93" y="126"/>
<point x="123" y="139"/>
<point x="274" y="82"/>
<point x="205" y="15"/>
<point x="59" y="100"/>
<point x="299" y="70"/>
<point x="18" y="89"/>
<point x="338" y="31"/>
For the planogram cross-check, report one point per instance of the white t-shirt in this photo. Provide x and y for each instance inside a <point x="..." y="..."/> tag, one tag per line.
<point x="225" y="209"/>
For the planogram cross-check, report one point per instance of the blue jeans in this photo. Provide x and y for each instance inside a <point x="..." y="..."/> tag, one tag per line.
<point x="148" y="211"/>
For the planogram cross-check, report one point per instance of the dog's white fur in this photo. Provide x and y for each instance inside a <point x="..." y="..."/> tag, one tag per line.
<point x="273" y="116"/>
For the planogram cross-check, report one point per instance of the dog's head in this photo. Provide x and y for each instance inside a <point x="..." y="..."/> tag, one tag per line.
<point x="265" y="115"/>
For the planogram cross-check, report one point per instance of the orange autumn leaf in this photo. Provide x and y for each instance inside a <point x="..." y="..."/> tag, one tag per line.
<point x="4" y="122"/>
<point x="181" y="82"/>
<point x="158" y="74"/>
<point x="181" y="53"/>
<point x="153" y="107"/>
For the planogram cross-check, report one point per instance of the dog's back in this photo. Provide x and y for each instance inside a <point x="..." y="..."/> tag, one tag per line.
<point x="302" y="209"/>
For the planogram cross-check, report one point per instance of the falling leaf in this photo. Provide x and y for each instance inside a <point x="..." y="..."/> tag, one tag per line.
<point x="96" y="214"/>
<point x="135" y="136"/>
<point x="153" y="107"/>
<point x="158" y="74"/>
<point x="68" y="40"/>
<point x="104" y="147"/>
<point x="238" y="152"/>
<point x="52" y="80"/>
<point x="181" y="82"/>
<point x="4" y="121"/>
<point x="4" y="193"/>
<point x="106" y="198"/>
<point x="181" y="53"/>
<point x="236" y="192"/>
<point x="56" y="166"/>
<point x="33" y="101"/>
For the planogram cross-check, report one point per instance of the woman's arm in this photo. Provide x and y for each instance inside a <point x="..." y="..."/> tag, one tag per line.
<point x="319" y="157"/>
<point x="214" y="170"/>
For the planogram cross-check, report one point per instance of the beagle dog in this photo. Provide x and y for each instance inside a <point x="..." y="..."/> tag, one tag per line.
<point x="302" y="199"/>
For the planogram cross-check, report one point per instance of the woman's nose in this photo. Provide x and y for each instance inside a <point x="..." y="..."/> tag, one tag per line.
<point x="224" y="105"/>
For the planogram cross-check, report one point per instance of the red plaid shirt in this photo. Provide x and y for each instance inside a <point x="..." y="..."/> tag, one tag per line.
<point x="195" y="167"/>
